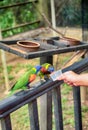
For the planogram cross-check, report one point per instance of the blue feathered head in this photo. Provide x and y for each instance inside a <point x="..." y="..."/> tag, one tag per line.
<point x="38" y="67"/>
<point x="51" y="69"/>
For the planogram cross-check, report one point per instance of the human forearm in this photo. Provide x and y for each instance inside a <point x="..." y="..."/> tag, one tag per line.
<point x="83" y="80"/>
<point x="74" y="79"/>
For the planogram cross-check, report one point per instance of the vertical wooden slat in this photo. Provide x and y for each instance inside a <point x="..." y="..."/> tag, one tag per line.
<point x="84" y="10"/>
<point x="53" y="17"/>
<point x="5" y="123"/>
<point x="43" y="112"/>
<point x="33" y="115"/>
<point x="49" y="110"/>
<point x="58" y="108"/>
<point x="77" y="108"/>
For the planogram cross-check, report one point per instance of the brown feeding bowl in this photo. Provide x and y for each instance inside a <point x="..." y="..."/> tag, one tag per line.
<point x="28" y="45"/>
<point x="70" y="41"/>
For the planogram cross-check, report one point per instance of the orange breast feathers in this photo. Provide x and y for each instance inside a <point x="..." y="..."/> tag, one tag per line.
<point x="32" y="78"/>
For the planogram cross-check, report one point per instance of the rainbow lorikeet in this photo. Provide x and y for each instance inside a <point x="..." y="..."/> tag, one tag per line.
<point x="46" y="70"/>
<point x="24" y="81"/>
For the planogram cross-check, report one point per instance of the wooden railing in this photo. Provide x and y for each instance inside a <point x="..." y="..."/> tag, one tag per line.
<point x="14" y="102"/>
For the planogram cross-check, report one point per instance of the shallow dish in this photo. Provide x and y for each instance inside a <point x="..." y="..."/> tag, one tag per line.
<point x="70" y="41"/>
<point x="29" y="45"/>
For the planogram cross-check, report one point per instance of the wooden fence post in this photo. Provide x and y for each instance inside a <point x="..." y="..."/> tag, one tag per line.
<point x="3" y="57"/>
<point x="53" y="16"/>
<point x="5" y="123"/>
<point x="57" y="108"/>
<point x="84" y="10"/>
<point x="33" y="115"/>
<point x="42" y="7"/>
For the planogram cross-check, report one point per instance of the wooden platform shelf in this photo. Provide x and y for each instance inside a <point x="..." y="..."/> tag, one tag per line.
<point x="44" y="50"/>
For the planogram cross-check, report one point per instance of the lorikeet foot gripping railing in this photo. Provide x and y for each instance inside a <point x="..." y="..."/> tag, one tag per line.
<point x="14" y="102"/>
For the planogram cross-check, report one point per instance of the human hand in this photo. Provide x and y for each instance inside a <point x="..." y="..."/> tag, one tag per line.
<point x="70" y="78"/>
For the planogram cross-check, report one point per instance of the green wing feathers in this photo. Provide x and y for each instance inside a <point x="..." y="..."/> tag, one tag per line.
<point x="23" y="80"/>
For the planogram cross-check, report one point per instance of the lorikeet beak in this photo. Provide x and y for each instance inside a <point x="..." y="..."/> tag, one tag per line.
<point x="32" y="77"/>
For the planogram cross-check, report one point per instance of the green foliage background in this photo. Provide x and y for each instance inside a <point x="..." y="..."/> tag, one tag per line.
<point x="11" y="17"/>
<point x="68" y="13"/>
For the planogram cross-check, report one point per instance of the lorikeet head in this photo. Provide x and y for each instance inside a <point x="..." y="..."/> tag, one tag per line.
<point x="43" y="70"/>
<point x="38" y="67"/>
<point x="49" y="70"/>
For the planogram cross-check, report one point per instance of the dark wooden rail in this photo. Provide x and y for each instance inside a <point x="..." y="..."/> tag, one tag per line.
<point x="14" y="102"/>
<point x="18" y="4"/>
<point x="21" y="25"/>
